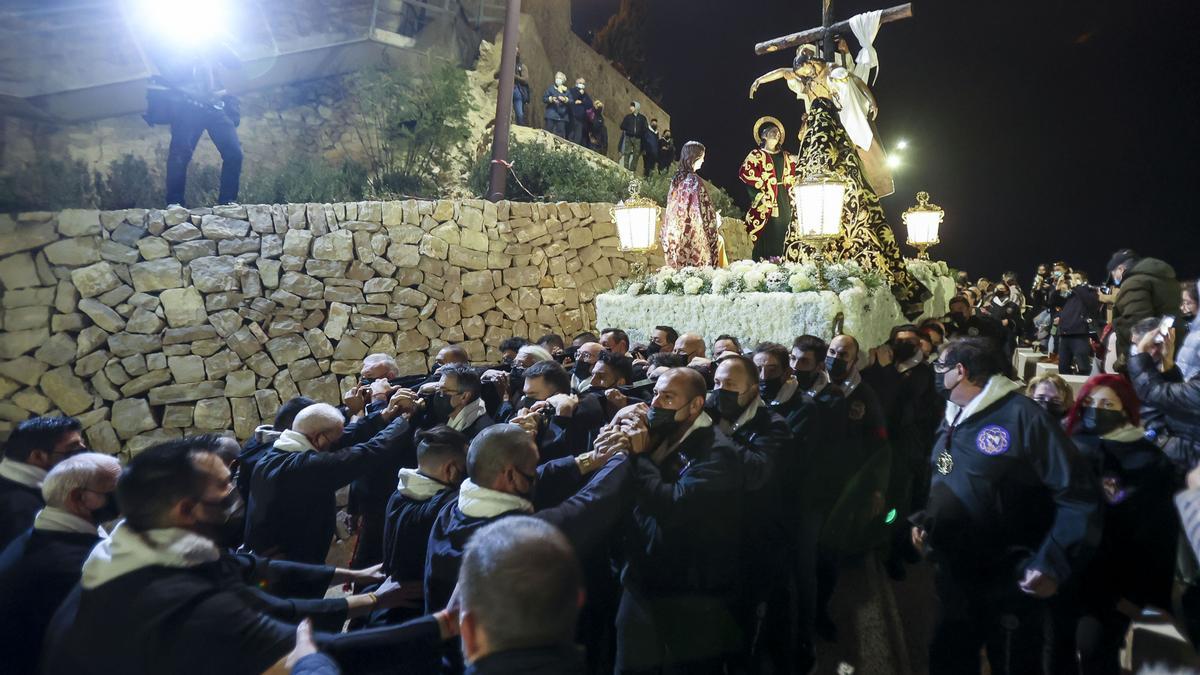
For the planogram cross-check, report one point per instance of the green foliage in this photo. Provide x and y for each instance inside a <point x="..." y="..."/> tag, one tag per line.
<point x="409" y="127"/>
<point x="552" y="174"/>
<point x="128" y="184"/>
<point x="203" y="185"/>
<point x="304" y="179"/>
<point x="48" y="185"/>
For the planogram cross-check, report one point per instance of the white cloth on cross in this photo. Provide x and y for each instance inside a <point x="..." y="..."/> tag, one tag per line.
<point x="865" y="27"/>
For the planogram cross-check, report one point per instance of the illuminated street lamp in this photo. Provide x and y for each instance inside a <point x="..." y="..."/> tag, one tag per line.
<point x="637" y="221"/>
<point x="923" y="222"/>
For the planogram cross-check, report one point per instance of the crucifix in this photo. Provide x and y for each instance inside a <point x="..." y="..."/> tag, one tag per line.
<point x="824" y="34"/>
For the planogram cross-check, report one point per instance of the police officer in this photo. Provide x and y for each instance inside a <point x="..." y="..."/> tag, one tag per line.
<point x="1011" y="514"/>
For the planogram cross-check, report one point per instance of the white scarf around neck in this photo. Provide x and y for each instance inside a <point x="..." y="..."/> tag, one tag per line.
<point x="54" y="519"/>
<point x="128" y="550"/>
<point x="481" y="502"/>
<point x="468" y="415"/>
<point x="293" y="441"/>
<point x="22" y="473"/>
<point x="997" y="387"/>
<point x="417" y="486"/>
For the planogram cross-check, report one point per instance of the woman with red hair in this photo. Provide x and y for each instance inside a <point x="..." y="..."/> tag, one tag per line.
<point x="1134" y="564"/>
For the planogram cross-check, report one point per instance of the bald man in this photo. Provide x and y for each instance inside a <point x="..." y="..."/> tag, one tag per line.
<point x="691" y="346"/>
<point x="585" y="359"/>
<point x="681" y="576"/>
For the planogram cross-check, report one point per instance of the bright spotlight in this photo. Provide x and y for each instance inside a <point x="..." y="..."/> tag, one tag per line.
<point x="901" y="144"/>
<point x="198" y="19"/>
<point x="893" y="161"/>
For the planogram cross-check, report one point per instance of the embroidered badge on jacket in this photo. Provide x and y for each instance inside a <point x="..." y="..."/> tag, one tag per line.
<point x="993" y="440"/>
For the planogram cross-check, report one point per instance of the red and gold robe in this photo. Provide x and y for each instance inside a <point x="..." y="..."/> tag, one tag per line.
<point x="689" y="234"/>
<point x="770" y="212"/>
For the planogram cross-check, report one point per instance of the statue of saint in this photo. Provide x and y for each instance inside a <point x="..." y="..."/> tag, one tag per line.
<point x="690" y="234"/>
<point x="825" y="146"/>
<point x="768" y="172"/>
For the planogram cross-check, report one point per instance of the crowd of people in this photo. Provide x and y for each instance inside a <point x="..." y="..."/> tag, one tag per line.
<point x="606" y="506"/>
<point x="572" y="113"/>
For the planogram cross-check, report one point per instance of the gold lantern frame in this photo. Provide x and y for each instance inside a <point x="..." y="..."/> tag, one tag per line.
<point x="924" y="207"/>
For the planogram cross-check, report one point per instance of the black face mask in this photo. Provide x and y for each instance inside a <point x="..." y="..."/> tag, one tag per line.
<point x="532" y="480"/>
<point x="939" y="383"/>
<point x="836" y="368"/>
<point x="1056" y="409"/>
<point x="1100" y="422"/>
<point x="769" y="389"/>
<point x="807" y="378"/>
<point x="230" y="532"/>
<point x="597" y="390"/>
<point x="109" y="511"/>
<point x="440" y="407"/>
<point x="583" y="369"/>
<point x="653" y="348"/>
<point x="903" y="350"/>
<point x="662" y="422"/>
<point x="726" y="404"/>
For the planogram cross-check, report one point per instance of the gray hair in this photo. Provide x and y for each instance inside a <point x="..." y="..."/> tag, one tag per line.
<point x="376" y="359"/>
<point x="537" y="352"/>
<point x="496" y="448"/>
<point x="75" y="472"/>
<point x="520" y="580"/>
<point x="318" y="418"/>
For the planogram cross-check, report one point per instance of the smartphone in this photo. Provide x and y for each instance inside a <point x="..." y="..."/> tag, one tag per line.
<point x="1165" y="326"/>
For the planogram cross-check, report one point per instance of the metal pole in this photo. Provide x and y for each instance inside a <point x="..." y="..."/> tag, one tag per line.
<point x="504" y="100"/>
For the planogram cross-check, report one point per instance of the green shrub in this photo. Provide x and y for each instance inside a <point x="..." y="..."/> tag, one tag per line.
<point x="48" y="185"/>
<point x="303" y="179"/>
<point x="203" y="185"/>
<point x="128" y="184"/>
<point x="552" y="175"/>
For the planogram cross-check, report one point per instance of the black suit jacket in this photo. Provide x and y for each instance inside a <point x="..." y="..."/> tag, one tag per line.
<point x="18" y="505"/>
<point x="37" y="570"/>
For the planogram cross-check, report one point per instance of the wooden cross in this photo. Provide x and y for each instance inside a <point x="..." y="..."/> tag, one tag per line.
<point x="827" y="30"/>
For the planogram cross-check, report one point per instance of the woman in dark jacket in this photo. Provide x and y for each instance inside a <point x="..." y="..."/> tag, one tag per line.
<point x="1134" y="564"/>
<point x="1175" y="398"/>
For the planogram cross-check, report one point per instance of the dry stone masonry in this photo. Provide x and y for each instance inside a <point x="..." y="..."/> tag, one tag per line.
<point x="150" y="324"/>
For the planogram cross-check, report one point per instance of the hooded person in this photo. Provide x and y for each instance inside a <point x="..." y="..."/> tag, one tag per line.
<point x="1145" y="287"/>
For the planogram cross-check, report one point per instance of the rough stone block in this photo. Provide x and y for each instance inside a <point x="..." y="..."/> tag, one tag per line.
<point x="95" y="279"/>
<point x="78" y="222"/>
<point x="183" y="307"/>
<point x="102" y="315"/>
<point x="214" y="274"/>
<point x="334" y="246"/>
<point x="217" y="227"/>
<point x="181" y="393"/>
<point x="212" y="414"/>
<point x="67" y="391"/>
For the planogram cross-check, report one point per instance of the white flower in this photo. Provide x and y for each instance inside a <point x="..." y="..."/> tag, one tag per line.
<point x="693" y="285"/>
<point x="660" y="286"/>
<point x="753" y="279"/>
<point x="634" y="288"/>
<point x="800" y="282"/>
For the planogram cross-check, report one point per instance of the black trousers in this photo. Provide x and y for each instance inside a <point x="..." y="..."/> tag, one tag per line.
<point x="680" y="635"/>
<point x="190" y="123"/>
<point x="991" y="614"/>
<point x="1074" y="355"/>
<point x="577" y="133"/>
<point x="557" y="127"/>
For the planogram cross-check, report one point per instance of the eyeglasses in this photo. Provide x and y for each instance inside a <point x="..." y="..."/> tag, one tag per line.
<point x="942" y="368"/>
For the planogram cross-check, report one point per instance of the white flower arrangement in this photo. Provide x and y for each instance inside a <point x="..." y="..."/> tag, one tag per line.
<point x="692" y="285"/>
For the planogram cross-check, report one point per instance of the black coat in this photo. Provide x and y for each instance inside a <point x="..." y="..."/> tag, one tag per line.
<point x="557" y="660"/>
<point x="408" y="523"/>
<point x="579" y="110"/>
<point x="37" y="570"/>
<point x="585" y="515"/>
<point x="292" y="505"/>
<point x="1175" y="402"/>
<point x="634" y="125"/>
<point x="683" y="536"/>
<point x="1077" y="311"/>
<point x="1014" y="493"/>
<point x="18" y="505"/>
<point x="815" y="439"/>
<point x="913" y="410"/>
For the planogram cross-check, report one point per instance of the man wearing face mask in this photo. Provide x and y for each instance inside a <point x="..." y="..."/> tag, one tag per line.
<point x="681" y="578"/>
<point x="457" y="402"/>
<point x="33" y="448"/>
<point x="581" y="371"/>
<point x="419" y="497"/>
<point x="1012" y="513"/>
<point x="964" y="322"/>
<point x="292" y="505"/>
<point x="1076" y="308"/>
<point x="1003" y="309"/>
<point x="765" y="448"/>
<point x="165" y="574"/>
<point x="40" y="567"/>
<point x="557" y="100"/>
<point x="1146" y="287"/>
<point x="582" y="109"/>
<point x="903" y="379"/>
<point x="609" y="393"/>
<point x="581" y="495"/>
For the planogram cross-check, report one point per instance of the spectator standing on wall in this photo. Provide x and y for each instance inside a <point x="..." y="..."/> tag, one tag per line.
<point x="521" y="95"/>
<point x="666" y="150"/>
<point x="556" y="99"/>
<point x="633" y="128"/>
<point x="582" y="113"/>
<point x="599" y="132"/>
<point x="650" y="148"/>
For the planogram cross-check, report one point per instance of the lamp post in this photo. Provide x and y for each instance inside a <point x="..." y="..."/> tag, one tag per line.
<point x="637" y="224"/>
<point x="923" y="222"/>
<point x="819" y="198"/>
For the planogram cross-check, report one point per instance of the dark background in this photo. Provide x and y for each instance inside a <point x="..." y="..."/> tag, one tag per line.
<point x="1046" y="129"/>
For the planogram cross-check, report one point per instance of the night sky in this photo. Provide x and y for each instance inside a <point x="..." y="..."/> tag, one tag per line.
<point x="1046" y="129"/>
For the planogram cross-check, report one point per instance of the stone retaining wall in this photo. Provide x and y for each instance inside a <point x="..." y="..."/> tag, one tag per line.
<point x="149" y="324"/>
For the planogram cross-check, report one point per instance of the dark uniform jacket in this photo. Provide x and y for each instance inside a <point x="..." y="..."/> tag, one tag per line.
<point x="37" y="570"/>
<point x="1077" y="311"/>
<point x="408" y="522"/>
<point x="557" y="660"/>
<point x="1009" y="491"/>
<point x="18" y="505"/>
<point x="1176" y="404"/>
<point x="683" y="537"/>
<point x="1136" y="556"/>
<point x="292" y="505"/>
<point x="584" y="514"/>
<point x="914" y="410"/>
<point x="809" y="415"/>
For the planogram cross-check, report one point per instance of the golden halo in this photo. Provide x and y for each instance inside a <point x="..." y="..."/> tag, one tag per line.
<point x="763" y="120"/>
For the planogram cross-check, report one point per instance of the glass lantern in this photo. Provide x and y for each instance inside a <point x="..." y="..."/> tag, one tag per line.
<point x="923" y="222"/>
<point x="637" y="221"/>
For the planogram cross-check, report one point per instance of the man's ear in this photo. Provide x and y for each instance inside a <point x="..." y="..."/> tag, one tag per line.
<point x="40" y="458"/>
<point x="184" y="511"/>
<point x="468" y="629"/>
